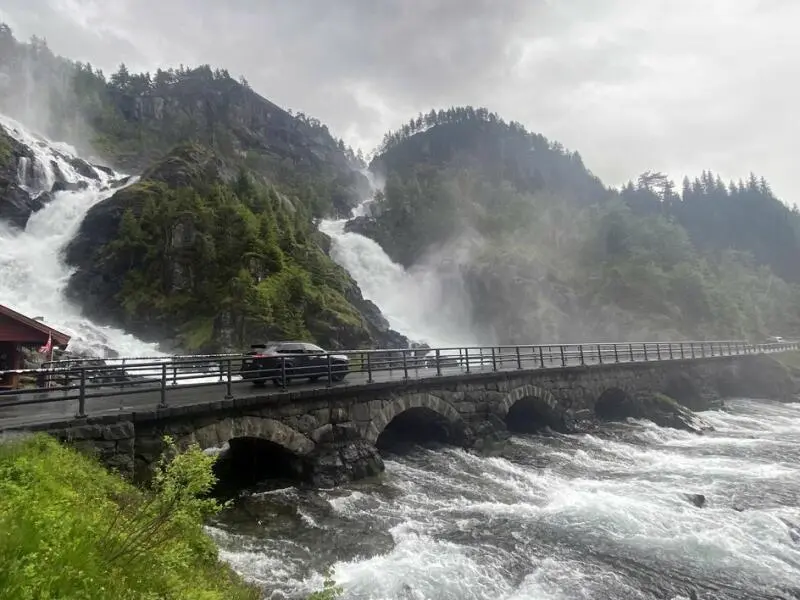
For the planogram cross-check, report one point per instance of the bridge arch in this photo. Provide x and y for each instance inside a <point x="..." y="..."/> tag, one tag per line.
<point x="530" y="408"/>
<point x="254" y="451"/>
<point x="216" y="435"/>
<point x="416" y="418"/>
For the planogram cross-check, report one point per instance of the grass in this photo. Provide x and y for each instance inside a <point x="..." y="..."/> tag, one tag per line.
<point x="71" y="529"/>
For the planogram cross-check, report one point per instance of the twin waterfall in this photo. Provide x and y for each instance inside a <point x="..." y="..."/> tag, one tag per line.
<point x="33" y="275"/>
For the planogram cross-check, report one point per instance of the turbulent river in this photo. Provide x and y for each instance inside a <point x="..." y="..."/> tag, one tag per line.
<point x="552" y="517"/>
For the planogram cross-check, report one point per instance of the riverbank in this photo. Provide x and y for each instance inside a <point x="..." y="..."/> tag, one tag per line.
<point x="72" y="529"/>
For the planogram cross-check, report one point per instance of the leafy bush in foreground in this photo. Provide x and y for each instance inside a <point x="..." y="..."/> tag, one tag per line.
<point x="71" y="529"/>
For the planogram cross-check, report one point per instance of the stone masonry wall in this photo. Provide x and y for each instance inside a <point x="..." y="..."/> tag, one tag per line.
<point x="336" y="430"/>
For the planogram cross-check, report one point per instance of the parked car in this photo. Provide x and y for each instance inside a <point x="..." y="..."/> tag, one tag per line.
<point x="294" y="360"/>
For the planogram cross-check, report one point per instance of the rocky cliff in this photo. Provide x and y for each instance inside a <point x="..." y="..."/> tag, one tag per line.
<point x="200" y="256"/>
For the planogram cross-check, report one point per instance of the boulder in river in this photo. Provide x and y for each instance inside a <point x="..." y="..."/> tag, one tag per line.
<point x="699" y="500"/>
<point x="653" y="406"/>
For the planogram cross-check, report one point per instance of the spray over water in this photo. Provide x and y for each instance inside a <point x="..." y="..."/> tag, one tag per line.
<point x="421" y="303"/>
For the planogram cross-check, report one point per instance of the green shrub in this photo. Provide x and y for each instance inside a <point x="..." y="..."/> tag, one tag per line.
<point x="71" y="529"/>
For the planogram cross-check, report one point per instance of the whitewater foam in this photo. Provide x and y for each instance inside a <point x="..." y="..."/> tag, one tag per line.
<point x="606" y="517"/>
<point x="414" y="301"/>
<point x="33" y="276"/>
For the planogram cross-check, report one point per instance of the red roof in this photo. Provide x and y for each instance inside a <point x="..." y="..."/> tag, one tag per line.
<point x="27" y="330"/>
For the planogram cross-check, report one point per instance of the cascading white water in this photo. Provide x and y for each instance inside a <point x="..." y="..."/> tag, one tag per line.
<point x="556" y="517"/>
<point x="415" y="301"/>
<point x="33" y="276"/>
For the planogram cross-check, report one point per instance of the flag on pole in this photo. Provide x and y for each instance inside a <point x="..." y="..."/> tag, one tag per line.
<point x="48" y="346"/>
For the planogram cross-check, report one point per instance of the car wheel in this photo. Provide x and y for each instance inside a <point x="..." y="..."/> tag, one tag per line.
<point x="338" y="376"/>
<point x="259" y="382"/>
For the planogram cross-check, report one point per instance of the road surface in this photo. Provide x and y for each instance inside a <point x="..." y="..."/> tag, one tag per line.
<point x="25" y="410"/>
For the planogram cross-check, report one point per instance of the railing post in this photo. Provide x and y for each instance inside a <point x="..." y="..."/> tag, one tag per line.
<point x="563" y="358"/>
<point x="730" y="352"/>
<point x="658" y="350"/>
<point x="519" y="359"/>
<point x="82" y="396"/>
<point x="671" y="356"/>
<point x="580" y="349"/>
<point x="494" y="360"/>
<point x="644" y="349"/>
<point x="330" y="370"/>
<point x="163" y="400"/>
<point x="682" y="354"/>
<point x="599" y="355"/>
<point x="541" y="358"/>
<point x="283" y="373"/>
<point x="466" y="357"/>
<point x="630" y="349"/>
<point x="405" y="364"/>
<point x="229" y="381"/>
<point x="369" y="367"/>
<point x="175" y="374"/>
<point x="616" y="354"/>
<point x="703" y="349"/>
<point x="438" y="362"/>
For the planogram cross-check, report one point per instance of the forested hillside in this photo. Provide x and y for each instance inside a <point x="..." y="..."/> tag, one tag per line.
<point x="216" y="246"/>
<point x="130" y="119"/>
<point x="547" y="252"/>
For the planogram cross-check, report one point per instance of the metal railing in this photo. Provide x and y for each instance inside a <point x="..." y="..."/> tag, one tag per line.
<point x="104" y="386"/>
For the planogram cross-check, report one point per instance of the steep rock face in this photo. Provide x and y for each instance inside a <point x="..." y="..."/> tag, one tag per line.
<point x="16" y="204"/>
<point x="236" y="121"/>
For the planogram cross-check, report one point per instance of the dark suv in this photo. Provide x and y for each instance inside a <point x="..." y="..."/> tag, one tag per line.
<point x="294" y="360"/>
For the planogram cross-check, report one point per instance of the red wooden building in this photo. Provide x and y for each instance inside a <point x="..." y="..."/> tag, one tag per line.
<point x="17" y="332"/>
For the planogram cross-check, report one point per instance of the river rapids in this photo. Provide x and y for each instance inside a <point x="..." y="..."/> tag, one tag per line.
<point x="553" y="516"/>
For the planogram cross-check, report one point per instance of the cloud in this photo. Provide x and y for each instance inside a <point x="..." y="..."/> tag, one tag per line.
<point x="672" y="85"/>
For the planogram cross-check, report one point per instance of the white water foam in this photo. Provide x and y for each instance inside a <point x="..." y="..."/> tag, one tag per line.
<point x="33" y="275"/>
<point x="606" y="517"/>
<point x="415" y="302"/>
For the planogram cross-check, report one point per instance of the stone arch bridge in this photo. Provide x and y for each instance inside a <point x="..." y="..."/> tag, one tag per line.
<point x="335" y="435"/>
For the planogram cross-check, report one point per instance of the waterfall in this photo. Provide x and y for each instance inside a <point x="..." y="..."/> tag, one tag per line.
<point x="417" y="302"/>
<point x="33" y="276"/>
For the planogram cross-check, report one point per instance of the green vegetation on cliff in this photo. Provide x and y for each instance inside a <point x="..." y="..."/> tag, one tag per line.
<point x="547" y="252"/>
<point x="71" y="529"/>
<point x="208" y="263"/>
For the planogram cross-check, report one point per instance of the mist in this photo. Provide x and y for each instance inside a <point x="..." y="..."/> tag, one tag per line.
<point x="37" y="88"/>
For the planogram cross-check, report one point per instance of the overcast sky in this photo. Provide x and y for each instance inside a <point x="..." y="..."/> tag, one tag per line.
<point x="671" y="85"/>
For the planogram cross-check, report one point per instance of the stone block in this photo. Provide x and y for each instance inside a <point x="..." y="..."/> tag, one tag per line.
<point x="118" y="431"/>
<point x="346" y="431"/>
<point x="125" y="446"/>
<point x="323" y="434"/>
<point x="339" y="415"/>
<point x="361" y="411"/>
<point x="322" y="415"/>
<point x="306" y="423"/>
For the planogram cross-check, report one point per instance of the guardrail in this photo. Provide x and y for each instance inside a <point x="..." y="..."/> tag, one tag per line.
<point x="177" y="380"/>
